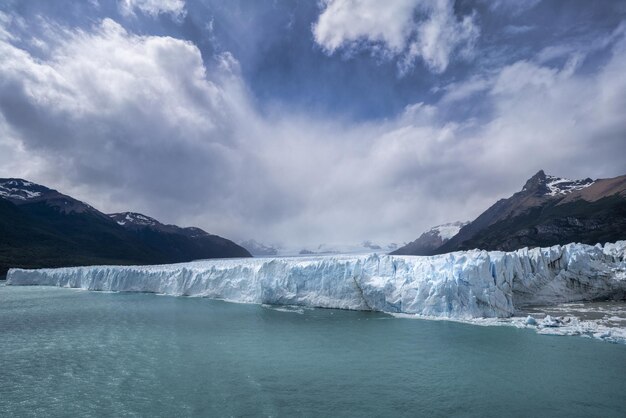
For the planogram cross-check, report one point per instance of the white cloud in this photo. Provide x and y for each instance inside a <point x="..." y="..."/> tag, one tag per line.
<point x="406" y="29"/>
<point x="518" y="29"/>
<point x="511" y="7"/>
<point x="175" y="8"/>
<point x="578" y="50"/>
<point x="131" y="122"/>
<point x="114" y="108"/>
<point x="441" y="35"/>
<point x="350" y="21"/>
<point x="455" y="92"/>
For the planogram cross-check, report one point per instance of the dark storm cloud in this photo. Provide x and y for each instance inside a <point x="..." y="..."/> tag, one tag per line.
<point x="247" y="119"/>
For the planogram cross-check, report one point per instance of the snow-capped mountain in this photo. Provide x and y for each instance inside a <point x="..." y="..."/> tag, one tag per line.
<point x="542" y="184"/>
<point x="548" y="210"/>
<point x="138" y="221"/>
<point x="40" y="227"/>
<point x="21" y="192"/>
<point x="545" y="185"/>
<point x="432" y="239"/>
<point x="179" y="243"/>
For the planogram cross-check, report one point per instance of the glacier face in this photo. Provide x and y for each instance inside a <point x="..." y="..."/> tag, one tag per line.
<point x="460" y="285"/>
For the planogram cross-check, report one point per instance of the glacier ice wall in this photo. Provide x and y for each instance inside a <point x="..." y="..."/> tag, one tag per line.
<point x="463" y="285"/>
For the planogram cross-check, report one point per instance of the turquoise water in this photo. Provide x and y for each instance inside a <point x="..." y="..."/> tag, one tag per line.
<point x="75" y="353"/>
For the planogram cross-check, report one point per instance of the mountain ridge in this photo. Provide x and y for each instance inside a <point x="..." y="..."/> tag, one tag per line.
<point x="548" y="210"/>
<point x="431" y="240"/>
<point x="41" y="227"/>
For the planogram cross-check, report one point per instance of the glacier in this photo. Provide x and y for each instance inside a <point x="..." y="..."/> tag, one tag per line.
<point x="460" y="285"/>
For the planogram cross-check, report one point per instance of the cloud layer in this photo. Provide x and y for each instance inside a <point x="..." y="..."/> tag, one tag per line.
<point x="147" y="123"/>
<point x="175" y="8"/>
<point x="406" y="29"/>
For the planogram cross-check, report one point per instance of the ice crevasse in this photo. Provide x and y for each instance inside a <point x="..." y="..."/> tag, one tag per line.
<point x="462" y="285"/>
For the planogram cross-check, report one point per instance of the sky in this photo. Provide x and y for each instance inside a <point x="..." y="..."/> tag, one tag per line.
<point x="307" y="122"/>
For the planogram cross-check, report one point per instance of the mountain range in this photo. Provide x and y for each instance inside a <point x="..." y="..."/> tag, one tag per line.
<point x="41" y="227"/>
<point x="547" y="211"/>
<point x="259" y="249"/>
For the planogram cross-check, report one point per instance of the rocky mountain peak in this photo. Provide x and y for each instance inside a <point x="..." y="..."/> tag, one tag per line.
<point x="20" y="190"/>
<point x="542" y="184"/>
<point x="537" y="184"/>
<point x="23" y="192"/>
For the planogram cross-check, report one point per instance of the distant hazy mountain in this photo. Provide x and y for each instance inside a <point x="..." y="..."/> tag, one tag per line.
<point x="40" y="227"/>
<point x="547" y="211"/>
<point x="258" y="249"/>
<point x="431" y="240"/>
<point x="322" y="249"/>
<point x="363" y="247"/>
<point x="371" y="245"/>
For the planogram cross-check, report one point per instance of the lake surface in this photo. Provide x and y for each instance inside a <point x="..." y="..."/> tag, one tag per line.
<point x="75" y="353"/>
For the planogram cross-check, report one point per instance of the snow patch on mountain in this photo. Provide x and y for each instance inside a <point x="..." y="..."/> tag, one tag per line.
<point x="447" y="231"/>
<point x="562" y="186"/>
<point x="431" y="240"/>
<point x="133" y="218"/>
<point x="19" y="189"/>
